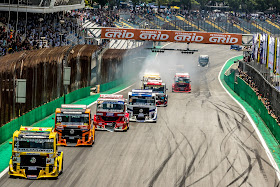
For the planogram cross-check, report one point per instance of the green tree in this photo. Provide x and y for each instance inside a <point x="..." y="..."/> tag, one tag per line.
<point x="187" y="4"/>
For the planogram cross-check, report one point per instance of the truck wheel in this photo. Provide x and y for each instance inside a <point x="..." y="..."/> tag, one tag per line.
<point x="61" y="168"/>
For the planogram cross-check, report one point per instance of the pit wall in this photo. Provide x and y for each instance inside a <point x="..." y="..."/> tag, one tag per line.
<point x="245" y="92"/>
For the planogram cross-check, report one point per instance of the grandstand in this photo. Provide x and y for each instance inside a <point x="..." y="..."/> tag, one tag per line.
<point x="40" y="6"/>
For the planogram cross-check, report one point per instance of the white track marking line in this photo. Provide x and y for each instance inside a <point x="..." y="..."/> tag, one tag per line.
<point x="269" y="155"/>
<point x="4" y="172"/>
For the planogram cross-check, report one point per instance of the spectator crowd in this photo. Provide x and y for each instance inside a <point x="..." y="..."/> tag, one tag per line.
<point x="264" y="97"/>
<point x="47" y="30"/>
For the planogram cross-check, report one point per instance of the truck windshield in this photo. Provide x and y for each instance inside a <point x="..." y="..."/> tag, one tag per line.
<point x="155" y="88"/>
<point x="142" y="101"/>
<point x="79" y="118"/>
<point x="34" y="144"/>
<point x="146" y="79"/>
<point x="203" y="60"/>
<point x="110" y="106"/>
<point x="182" y="79"/>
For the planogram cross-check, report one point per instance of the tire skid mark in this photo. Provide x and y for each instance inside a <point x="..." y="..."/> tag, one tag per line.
<point x="225" y="113"/>
<point x="162" y="165"/>
<point x="154" y="140"/>
<point x="219" y="122"/>
<point x="237" y="124"/>
<point x="242" y="116"/>
<point x="66" y="178"/>
<point x="187" y="139"/>
<point x="231" y="134"/>
<point x="246" y="171"/>
<point x="250" y="167"/>
<point x="211" y="171"/>
<point x="204" y="154"/>
<point x="276" y="182"/>
<point x="260" y="164"/>
<point x="229" y="108"/>
<point x="208" y="145"/>
<point x="242" y="145"/>
<point x="258" y="158"/>
<point x="187" y="173"/>
<point x="173" y="136"/>
<point x="252" y="133"/>
<point x="78" y="177"/>
<point x="226" y="138"/>
<point x="230" y="166"/>
<point x="29" y="184"/>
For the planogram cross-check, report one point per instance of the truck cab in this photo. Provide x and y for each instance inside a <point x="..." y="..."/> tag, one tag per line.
<point x="142" y="106"/>
<point x="111" y="114"/>
<point x="150" y="76"/>
<point x="74" y="125"/>
<point x="203" y="60"/>
<point x="159" y="88"/>
<point x="182" y="83"/>
<point x="35" y="154"/>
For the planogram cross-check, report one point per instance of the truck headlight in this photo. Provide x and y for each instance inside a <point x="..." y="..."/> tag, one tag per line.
<point x="59" y="127"/>
<point x="16" y="159"/>
<point x="49" y="160"/>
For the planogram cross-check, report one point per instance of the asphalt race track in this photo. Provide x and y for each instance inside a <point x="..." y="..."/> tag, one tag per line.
<point x="202" y="138"/>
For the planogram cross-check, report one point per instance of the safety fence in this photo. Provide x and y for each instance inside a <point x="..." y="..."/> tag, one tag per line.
<point x="242" y="89"/>
<point x="40" y="113"/>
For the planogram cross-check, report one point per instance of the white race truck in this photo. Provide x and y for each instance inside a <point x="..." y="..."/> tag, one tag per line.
<point x="142" y="106"/>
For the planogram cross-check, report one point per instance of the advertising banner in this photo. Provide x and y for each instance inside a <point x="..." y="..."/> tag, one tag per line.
<point x="254" y="46"/>
<point x="260" y="51"/>
<point x="171" y="36"/>
<point x="278" y="56"/>
<point x="271" y="49"/>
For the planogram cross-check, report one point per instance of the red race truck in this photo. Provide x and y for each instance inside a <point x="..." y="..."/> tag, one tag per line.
<point x="182" y="83"/>
<point x="111" y="114"/>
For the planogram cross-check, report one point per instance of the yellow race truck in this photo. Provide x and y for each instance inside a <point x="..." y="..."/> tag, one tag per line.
<point x="35" y="154"/>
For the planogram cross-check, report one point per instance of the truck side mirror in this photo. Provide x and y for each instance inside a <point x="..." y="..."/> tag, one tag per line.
<point x="166" y="88"/>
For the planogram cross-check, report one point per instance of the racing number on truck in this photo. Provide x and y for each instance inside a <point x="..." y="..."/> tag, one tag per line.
<point x="59" y="119"/>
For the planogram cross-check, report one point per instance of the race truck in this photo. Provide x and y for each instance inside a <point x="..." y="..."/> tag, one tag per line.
<point x="203" y="60"/>
<point x="182" y="83"/>
<point x="74" y="126"/>
<point x="142" y="106"/>
<point x="35" y="154"/>
<point x="111" y="114"/>
<point x="159" y="88"/>
<point x="150" y="76"/>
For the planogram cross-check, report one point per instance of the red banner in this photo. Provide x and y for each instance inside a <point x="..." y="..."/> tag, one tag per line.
<point x="171" y="36"/>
